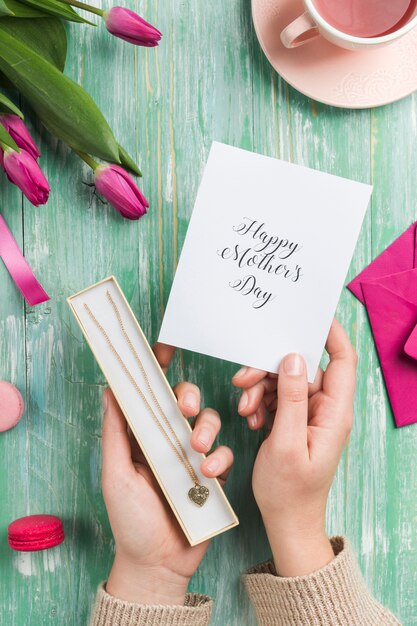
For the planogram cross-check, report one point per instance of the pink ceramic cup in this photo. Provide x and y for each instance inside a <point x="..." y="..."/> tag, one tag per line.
<point x="311" y="24"/>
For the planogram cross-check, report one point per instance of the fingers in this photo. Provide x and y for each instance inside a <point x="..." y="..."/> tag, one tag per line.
<point x="218" y="464"/>
<point x="269" y="402"/>
<point x="255" y="384"/>
<point x="206" y="429"/>
<point x="116" y="443"/>
<point x="252" y="403"/>
<point x="189" y="398"/>
<point x="247" y="377"/>
<point x="340" y="376"/>
<point x="252" y="397"/>
<point x="164" y="354"/>
<point x="257" y="419"/>
<point x="289" y="429"/>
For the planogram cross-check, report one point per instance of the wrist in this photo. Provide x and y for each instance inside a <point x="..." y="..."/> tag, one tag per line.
<point x="133" y="582"/>
<point x="299" y="552"/>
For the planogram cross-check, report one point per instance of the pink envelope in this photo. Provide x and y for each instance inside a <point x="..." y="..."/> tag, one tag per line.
<point x="388" y="289"/>
<point x="410" y="347"/>
<point x="401" y="255"/>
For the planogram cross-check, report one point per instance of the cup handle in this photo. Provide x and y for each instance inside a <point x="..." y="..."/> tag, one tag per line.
<point x="302" y="30"/>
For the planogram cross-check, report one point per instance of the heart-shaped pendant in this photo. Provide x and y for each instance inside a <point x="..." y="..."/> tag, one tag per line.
<point x="198" y="494"/>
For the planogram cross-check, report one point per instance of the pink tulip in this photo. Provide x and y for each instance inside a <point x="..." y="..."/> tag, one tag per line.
<point x="131" y="27"/>
<point x="23" y="170"/>
<point x="114" y="184"/>
<point x="18" y="131"/>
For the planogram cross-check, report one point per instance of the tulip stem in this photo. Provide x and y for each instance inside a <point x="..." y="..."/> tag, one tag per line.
<point x="86" y="7"/>
<point x="89" y="160"/>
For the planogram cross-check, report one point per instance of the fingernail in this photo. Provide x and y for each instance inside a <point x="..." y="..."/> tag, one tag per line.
<point x="189" y="400"/>
<point x="204" y="436"/>
<point x="212" y="465"/>
<point x="293" y="365"/>
<point x="105" y="401"/>
<point x="243" y="402"/>
<point x="241" y="372"/>
<point x="253" y="420"/>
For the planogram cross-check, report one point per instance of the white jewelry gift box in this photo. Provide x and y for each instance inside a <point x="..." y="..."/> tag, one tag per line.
<point x="198" y="522"/>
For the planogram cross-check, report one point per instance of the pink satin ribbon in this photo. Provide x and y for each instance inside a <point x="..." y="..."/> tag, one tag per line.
<point x="19" y="268"/>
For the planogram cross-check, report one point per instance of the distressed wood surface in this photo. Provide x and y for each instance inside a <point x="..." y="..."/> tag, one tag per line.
<point x="208" y="80"/>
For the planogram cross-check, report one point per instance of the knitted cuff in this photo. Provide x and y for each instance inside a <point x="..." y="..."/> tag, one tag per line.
<point x="335" y="595"/>
<point x="110" y="611"/>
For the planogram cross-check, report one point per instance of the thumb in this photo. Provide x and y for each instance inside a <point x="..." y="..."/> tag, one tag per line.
<point x="290" y="425"/>
<point x="117" y="453"/>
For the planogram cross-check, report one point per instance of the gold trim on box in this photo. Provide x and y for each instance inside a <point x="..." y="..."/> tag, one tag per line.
<point x="177" y="515"/>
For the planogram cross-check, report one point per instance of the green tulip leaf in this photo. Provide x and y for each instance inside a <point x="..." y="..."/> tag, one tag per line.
<point x="127" y="161"/>
<point x="64" y="107"/>
<point x="7" y="140"/>
<point x="46" y="36"/>
<point x="18" y="9"/>
<point x="56" y="8"/>
<point x="8" y="106"/>
<point x="4" y="9"/>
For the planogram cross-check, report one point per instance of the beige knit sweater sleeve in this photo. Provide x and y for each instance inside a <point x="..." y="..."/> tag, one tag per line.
<point x="335" y="595"/>
<point x="110" y="611"/>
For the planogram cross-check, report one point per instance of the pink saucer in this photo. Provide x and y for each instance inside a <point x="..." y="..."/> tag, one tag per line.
<point x="326" y="73"/>
<point x="11" y="405"/>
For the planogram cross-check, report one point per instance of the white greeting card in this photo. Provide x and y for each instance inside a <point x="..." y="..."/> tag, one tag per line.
<point x="267" y="251"/>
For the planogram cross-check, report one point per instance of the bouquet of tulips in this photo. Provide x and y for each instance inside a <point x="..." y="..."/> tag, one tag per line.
<point x="33" y="49"/>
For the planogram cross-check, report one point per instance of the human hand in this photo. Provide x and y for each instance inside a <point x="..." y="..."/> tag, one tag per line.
<point x="153" y="561"/>
<point x="296" y="463"/>
<point x="259" y="394"/>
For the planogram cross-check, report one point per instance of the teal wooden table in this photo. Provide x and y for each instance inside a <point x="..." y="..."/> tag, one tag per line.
<point x="207" y="80"/>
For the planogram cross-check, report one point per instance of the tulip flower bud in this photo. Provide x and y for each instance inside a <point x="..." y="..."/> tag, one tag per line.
<point x="114" y="184"/>
<point x="129" y="26"/>
<point x="23" y="170"/>
<point x="18" y="131"/>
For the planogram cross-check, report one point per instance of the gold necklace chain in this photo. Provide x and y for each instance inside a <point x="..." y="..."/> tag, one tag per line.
<point x="167" y="423"/>
<point x="199" y="493"/>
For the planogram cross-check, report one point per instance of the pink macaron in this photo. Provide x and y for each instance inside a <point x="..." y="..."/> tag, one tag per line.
<point x="35" y="532"/>
<point x="11" y="406"/>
